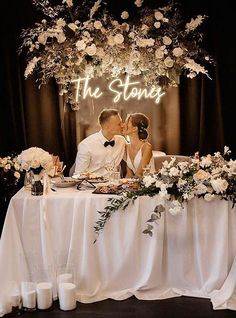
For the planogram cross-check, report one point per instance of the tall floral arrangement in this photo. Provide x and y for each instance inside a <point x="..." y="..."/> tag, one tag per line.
<point x="208" y="177"/>
<point x="83" y="38"/>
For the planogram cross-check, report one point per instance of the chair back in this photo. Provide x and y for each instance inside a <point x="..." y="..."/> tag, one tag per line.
<point x="159" y="160"/>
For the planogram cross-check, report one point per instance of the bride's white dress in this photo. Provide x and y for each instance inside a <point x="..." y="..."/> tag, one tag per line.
<point x="133" y="165"/>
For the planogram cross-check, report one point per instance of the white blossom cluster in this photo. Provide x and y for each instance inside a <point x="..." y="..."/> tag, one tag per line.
<point x="35" y="157"/>
<point x="10" y="165"/>
<point x="157" y="45"/>
<point x="207" y="176"/>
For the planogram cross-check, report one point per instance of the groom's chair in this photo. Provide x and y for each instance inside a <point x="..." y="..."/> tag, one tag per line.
<point x="159" y="160"/>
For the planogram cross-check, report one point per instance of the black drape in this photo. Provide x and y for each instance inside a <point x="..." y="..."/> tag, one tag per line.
<point x="29" y="116"/>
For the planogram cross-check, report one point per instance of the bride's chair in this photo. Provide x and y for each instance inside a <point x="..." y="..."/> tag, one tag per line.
<point x="160" y="159"/>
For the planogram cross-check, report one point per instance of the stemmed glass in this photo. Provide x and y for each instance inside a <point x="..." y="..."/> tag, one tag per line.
<point x="109" y="166"/>
<point x="146" y="170"/>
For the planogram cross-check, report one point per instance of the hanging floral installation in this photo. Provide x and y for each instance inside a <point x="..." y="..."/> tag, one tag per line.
<point x="82" y="38"/>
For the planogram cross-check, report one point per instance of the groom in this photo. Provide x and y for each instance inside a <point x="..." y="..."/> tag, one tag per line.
<point x="95" y="151"/>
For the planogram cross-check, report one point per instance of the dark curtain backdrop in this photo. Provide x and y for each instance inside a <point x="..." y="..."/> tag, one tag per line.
<point x="29" y="116"/>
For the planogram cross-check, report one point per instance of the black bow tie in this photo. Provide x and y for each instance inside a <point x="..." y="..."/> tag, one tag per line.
<point x="109" y="143"/>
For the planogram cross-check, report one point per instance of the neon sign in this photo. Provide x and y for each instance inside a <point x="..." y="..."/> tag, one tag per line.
<point x="125" y="89"/>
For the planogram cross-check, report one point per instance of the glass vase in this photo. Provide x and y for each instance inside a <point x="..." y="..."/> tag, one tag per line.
<point x="37" y="185"/>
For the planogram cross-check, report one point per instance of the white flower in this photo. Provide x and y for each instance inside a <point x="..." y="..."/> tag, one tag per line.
<point x="177" y="51"/>
<point x="157" y="25"/>
<point x="91" y="50"/>
<point x="200" y="189"/>
<point x="73" y="26"/>
<point x="145" y="42"/>
<point x="174" y="172"/>
<point x="124" y="15"/>
<point x="118" y="38"/>
<point x="97" y="25"/>
<point x="209" y="197"/>
<point x="42" y="38"/>
<point x="94" y="8"/>
<point x="219" y="185"/>
<point x="201" y="175"/>
<point x="31" y="65"/>
<point x="61" y="37"/>
<point x="175" y="208"/>
<point x="194" y="23"/>
<point x="148" y="180"/>
<point x="194" y="67"/>
<point x="68" y="2"/>
<point x="168" y="62"/>
<point x="158" y="15"/>
<point x="80" y="45"/>
<point x="138" y="3"/>
<point x="205" y="162"/>
<point x="61" y="23"/>
<point x="166" y="40"/>
<point x="159" y="54"/>
<point x="226" y="150"/>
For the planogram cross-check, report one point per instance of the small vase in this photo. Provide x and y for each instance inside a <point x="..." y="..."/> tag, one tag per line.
<point x="37" y="185"/>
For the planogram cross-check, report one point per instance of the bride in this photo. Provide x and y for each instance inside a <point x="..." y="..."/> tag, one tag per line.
<point x="138" y="150"/>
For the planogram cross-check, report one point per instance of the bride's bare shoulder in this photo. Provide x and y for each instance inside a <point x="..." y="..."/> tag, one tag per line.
<point x="147" y="145"/>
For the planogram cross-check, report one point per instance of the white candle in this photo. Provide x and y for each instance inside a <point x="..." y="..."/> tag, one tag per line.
<point x="28" y="294"/>
<point x="29" y="299"/>
<point x="5" y="308"/>
<point x="44" y="295"/>
<point x="16" y="300"/>
<point x="63" y="278"/>
<point x="67" y="298"/>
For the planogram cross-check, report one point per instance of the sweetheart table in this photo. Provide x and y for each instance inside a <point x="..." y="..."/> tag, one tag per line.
<point x="191" y="254"/>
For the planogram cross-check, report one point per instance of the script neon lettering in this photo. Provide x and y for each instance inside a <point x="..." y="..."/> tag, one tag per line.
<point x="126" y="89"/>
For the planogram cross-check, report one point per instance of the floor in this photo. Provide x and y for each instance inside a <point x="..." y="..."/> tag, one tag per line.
<point x="184" y="307"/>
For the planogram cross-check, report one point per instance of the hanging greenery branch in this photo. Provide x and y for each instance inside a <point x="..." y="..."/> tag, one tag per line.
<point x="76" y="40"/>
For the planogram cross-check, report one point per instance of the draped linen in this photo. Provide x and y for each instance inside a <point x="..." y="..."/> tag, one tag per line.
<point x="192" y="254"/>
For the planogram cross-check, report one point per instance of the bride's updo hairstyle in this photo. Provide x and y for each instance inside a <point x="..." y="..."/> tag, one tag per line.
<point x="140" y="121"/>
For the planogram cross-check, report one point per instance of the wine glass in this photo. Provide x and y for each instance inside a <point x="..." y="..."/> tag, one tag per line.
<point x="146" y="170"/>
<point x="109" y="166"/>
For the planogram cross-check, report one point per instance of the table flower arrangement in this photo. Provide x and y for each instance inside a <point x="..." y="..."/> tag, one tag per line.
<point x="77" y="40"/>
<point x="36" y="159"/>
<point x="177" y="182"/>
<point x="10" y="175"/>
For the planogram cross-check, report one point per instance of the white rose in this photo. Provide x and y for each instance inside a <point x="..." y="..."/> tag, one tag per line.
<point x="166" y="40"/>
<point x="91" y="50"/>
<point x="178" y="52"/>
<point x="200" y="189"/>
<point x="80" y="45"/>
<point x="138" y="3"/>
<point x="174" y="172"/>
<point x="157" y="25"/>
<point x="100" y="52"/>
<point x="209" y="197"/>
<point x="124" y="15"/>
<point x="131" y="35"/>
<point x="168" y="62"/>
<point x="118" y="38"/>
<point x="97" y="25"/>
<point x="110" y="40"/>
<point x="158" y="15"/>
<point x="219" y="185"/>
<point x="61" y="23"/>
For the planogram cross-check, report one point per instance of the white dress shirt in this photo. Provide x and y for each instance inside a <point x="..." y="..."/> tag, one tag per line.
<point x="93" y="156"/>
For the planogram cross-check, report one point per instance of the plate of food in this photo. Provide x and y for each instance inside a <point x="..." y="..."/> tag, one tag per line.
<point x="66" y="182"/>
<point x="108" y="189"/>
<point x="90" y="177"/>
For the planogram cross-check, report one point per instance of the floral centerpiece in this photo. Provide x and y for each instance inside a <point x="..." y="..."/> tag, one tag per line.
<point x="84" y="39"/>
<point x="36" y="159"/>
<point x="10" y="175"/>
<point x="208" y="177"/>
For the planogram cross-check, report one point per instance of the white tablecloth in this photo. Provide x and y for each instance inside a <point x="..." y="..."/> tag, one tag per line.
<point x="190" y="254"/>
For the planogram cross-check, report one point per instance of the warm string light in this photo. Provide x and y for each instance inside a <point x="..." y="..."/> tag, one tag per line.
<point x="125" y="89"/>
